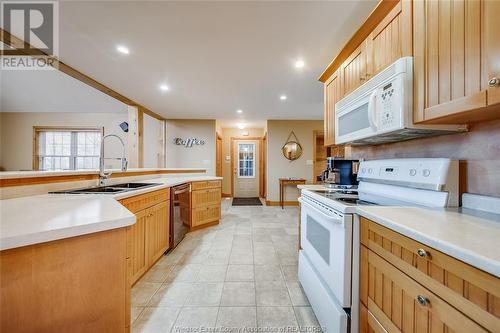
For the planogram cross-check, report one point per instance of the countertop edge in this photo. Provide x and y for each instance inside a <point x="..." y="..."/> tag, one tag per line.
<point x="471" y="258"/>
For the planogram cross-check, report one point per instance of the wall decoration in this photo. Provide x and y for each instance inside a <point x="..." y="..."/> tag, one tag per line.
<point x="292" y="149"/>
<point x="189" y="142"/>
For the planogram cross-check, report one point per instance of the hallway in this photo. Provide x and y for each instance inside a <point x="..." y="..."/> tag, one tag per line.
<point x="237" y="276"/>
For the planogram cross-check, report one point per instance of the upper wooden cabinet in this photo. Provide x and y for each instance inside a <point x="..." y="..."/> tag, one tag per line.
<point x="390" y="40"/>
<point x="332" y="94"/>
<point x="455" y="48"/>
<point x="353" y="71"/>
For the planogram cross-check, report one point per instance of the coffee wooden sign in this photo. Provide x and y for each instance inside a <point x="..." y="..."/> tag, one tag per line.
<point x="189" y="142"/>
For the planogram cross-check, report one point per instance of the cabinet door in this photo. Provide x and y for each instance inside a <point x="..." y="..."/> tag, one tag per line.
<point x="390" y="40"/>
<point x="157" y="231"/>
<point x="136" y="246"/>
<point x="400" y="304"/>
<point x="201" y="198"/>
<point x="331" y="96"/>
<point x="204" y="215"/>
<point x="492" y="52"/>
<point x="353" y="70"/>
<point x="447" y="59"/>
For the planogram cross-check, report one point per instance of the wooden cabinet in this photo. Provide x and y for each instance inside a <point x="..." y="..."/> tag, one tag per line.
<point x="410" y="287"/>
<point x="332" y="93"/>
<point x="390" y="40"/>
<point x="205" y="203"/>
<point x="353" y="71"/>
<point x="149" y="237"/>
<point x="157" y="237"/>
<point x="455" y="44"/>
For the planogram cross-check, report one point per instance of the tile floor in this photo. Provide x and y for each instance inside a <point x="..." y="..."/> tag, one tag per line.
<point x="234" y="277"/>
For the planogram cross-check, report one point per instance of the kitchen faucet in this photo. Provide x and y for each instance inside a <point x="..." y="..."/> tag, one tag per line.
<point x="104" y="175"/>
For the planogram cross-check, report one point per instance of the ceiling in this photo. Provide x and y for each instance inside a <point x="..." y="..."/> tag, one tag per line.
<point x="216" y="57"/>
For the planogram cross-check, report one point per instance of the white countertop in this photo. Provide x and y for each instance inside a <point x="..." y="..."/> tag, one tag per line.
<point x="29" y="174"/>
<point x="467" y="235"/>
<point x="312" y="187"/>
<point x="43" y="218"/>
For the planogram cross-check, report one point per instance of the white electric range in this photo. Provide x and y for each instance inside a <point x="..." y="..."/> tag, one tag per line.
<point x="329" y="259"/>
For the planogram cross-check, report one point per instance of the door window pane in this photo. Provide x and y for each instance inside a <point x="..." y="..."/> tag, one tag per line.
<point x="246" y="160"/>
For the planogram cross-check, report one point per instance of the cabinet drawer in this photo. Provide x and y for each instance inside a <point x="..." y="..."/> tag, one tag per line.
<point x="143" y="201"/>
<point x="470" y="290"/>
<point x="205" y="184"/>
<point x="400" y="304"/>
<point x="203" y="215"/>
<point x="206" y="197"/>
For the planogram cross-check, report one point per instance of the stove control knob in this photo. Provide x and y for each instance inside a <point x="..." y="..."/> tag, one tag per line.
<point x="363" y="170"/>
<point x="426" y="172"/>
<point x="413" y="172"/>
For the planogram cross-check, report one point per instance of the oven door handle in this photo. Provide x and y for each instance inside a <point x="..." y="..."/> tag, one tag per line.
<point x="336" y="220"/>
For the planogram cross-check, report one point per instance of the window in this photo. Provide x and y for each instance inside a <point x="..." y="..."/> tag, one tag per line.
<point x="246" y="160"/>
<point x="67" y="148"/>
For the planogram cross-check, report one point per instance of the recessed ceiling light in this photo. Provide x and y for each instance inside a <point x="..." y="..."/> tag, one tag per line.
<point x="283" y="97"/>
<point x="241" y="126"/>
<point x="122" y="49"/>
<point x="299" y="64"/>
<point x="239" y="111"/>
<point x="164" y="87"/>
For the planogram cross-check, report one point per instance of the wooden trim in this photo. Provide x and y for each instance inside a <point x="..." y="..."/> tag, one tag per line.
<point x="36" y="129"/>
<point x="12" y="40"/>
<point x="455" y="107"/>
<point x="285" y="203"/>
<point x="226" y="195"/>
<point x="201" y="226"/>
<point x="383" y="8"/>
<point x="8" y="182"/>
<point x="387" y="19"/>
<point x="261" y="161"/>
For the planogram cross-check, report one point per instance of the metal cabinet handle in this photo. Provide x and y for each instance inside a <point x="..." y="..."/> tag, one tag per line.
<point x="494" y="82"/>
<point x="422" y="300"/>
<point x="422" y="253"/>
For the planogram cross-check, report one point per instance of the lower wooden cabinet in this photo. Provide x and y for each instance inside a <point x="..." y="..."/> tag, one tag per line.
<point x="205" y="203"/>
<point x="409" y="287"/>
<point x="149" y="237"/>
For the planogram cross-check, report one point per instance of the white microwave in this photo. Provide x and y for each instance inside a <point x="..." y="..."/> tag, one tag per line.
<point x="381" y="110"/>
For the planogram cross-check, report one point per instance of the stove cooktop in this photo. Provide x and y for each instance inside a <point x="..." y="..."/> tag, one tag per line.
<point x="344" y="197"/>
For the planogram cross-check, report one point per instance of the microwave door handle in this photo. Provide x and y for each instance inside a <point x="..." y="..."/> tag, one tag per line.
<point x="371" y="110"/>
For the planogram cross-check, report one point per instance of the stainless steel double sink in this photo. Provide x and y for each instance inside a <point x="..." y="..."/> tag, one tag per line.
<point x="110" y="189"/>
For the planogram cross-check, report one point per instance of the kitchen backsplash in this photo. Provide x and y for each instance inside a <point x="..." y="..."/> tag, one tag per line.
<point x="477" y="150"/>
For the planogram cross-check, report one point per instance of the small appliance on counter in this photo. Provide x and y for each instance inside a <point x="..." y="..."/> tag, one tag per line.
<point x="340" y="173"/>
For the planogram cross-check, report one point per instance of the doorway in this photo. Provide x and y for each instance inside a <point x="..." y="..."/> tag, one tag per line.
<point x="246" y="166"/>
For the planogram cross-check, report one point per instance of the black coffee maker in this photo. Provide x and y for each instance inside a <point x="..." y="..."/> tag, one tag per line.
<point x="340" y="173"/>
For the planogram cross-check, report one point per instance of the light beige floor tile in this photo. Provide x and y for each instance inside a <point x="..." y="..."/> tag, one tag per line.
<point x="157" y="274"/>
<point x="235" y="319"/>
<point x="135" y="312"/>
<point x="184" y="273"/>
<point x="276" y="318"/>
<point x="306" y="319"/>
<point x="272" y="293"/>
<point x="205" y="294"/>
<point x="238" y="294"/>
<point x="212" y="273"/>
<point x="297" y="294"/>
<point x="240" y="273"/>
<point x="142" y="292"/>
<point x="290" y="272"/>
<point x="172" y="294"/>
<point x="156" y="319"/>
<point x="241" y="257"/>
<point x="194" y="319"/>
<point x="268" y="273"/>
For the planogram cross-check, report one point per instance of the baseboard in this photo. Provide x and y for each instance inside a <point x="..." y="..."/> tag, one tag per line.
<point x="226" y="195"/>
<point x="285" y="203"/>
<point x="201" y="226"/>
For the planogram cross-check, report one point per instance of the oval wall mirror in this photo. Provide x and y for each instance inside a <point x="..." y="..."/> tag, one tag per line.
<point x="292" y="149"/>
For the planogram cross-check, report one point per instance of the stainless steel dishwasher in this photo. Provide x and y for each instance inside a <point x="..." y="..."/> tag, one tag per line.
<point x="180" y="208"/>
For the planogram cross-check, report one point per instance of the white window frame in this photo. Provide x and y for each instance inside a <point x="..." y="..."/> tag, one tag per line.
<point x="74" y="133"/>
<point x="253" y="159"/>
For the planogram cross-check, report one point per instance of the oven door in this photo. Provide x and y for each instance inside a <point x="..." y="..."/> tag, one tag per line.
<point x="326" y="238"/>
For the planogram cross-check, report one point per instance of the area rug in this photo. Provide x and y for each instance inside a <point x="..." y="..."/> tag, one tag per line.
<point x="247" y="202"/>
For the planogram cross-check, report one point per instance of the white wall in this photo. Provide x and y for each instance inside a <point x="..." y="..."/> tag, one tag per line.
<point x="16" y="131"/>
<point x="196" y="156"/>
<point x="278" y="166"/>
<point x="153" y="137"/>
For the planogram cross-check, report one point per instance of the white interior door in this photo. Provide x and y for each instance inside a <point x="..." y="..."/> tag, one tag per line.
<point x="246" y="168"/>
